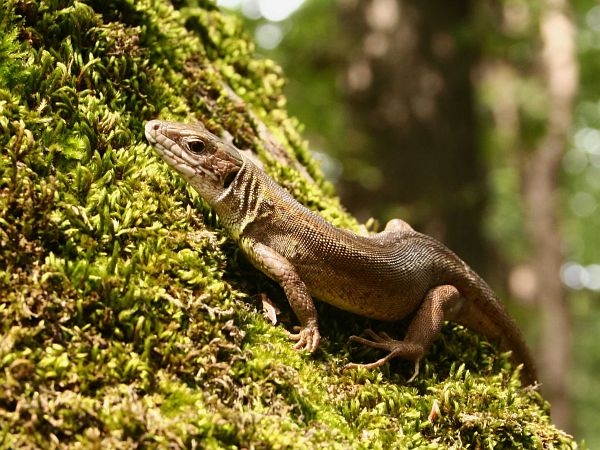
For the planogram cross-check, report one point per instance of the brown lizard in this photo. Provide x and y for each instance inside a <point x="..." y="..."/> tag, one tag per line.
<point x="386" y="276"/>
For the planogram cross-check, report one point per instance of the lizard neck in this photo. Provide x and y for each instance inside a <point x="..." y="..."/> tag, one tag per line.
<point x="246" y="200"/>
<point x="256" y="205"/>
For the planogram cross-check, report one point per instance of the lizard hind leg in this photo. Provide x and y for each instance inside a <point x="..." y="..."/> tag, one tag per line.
<point x="394" y="229"/>
<point x="439" y="304"/>
<point x="397" y="225"/>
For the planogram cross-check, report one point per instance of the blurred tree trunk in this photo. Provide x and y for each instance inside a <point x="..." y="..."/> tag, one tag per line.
<point x="540" y="188"/>
<point x="412" y="137"/>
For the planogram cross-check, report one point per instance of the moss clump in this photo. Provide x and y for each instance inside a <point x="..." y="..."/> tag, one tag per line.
<point x="125" y="311"/>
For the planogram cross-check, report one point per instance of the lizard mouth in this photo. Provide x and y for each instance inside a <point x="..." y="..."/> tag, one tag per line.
<point x="166" y="148"/>
<point x="163" y="136"/>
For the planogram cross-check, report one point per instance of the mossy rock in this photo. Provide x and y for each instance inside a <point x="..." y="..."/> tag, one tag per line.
<point x="128" y="317"/>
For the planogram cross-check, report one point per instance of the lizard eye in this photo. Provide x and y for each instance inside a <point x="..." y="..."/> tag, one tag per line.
<point x="196" y="146"/>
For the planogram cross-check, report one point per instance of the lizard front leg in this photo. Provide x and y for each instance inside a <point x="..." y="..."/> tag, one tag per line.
<point x="278" y="268"/>
<point x="440" y="303"/>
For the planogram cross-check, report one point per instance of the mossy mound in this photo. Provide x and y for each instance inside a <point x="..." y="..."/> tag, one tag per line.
<point x="127" y="317"/>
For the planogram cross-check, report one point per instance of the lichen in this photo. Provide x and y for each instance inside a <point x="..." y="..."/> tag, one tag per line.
<point x="128" y="317"/>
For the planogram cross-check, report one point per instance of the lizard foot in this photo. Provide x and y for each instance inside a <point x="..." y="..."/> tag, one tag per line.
<point x="383" y="341"/>
<point x="307" y="339"/>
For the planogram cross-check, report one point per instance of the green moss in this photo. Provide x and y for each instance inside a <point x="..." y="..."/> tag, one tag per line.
<point x="128" y="318"/>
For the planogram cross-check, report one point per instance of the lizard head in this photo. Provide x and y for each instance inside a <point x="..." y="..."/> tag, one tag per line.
<point x="208" y="163"/>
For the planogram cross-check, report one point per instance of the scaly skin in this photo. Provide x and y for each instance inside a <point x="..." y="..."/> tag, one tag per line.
<point x="386" y="276"/>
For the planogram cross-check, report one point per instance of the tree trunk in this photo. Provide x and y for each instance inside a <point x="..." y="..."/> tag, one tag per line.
<point x="540" y="189"/>
<point x="412" y="138"/>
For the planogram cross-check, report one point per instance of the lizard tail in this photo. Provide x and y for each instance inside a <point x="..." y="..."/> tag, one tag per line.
<point x="485" y="314"/>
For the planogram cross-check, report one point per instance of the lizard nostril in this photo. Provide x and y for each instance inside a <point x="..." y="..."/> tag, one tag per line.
<point x="156" y="126"/>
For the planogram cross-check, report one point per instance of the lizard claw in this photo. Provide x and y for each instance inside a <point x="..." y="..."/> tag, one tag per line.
<point x="307" y="339"/>
<point x="415" y="373"/>
<point x="405" y="349"/>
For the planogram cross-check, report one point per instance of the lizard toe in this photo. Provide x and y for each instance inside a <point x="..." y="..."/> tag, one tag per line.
<point x="308" y="338"/>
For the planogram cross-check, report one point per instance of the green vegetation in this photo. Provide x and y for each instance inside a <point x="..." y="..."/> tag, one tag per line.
<point x="127" y="317"/>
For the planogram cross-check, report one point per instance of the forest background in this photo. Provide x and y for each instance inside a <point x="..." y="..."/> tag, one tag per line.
<point x="478" y="123"/>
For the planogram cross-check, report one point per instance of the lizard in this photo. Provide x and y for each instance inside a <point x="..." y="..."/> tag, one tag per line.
<point x="388" y="276"/>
